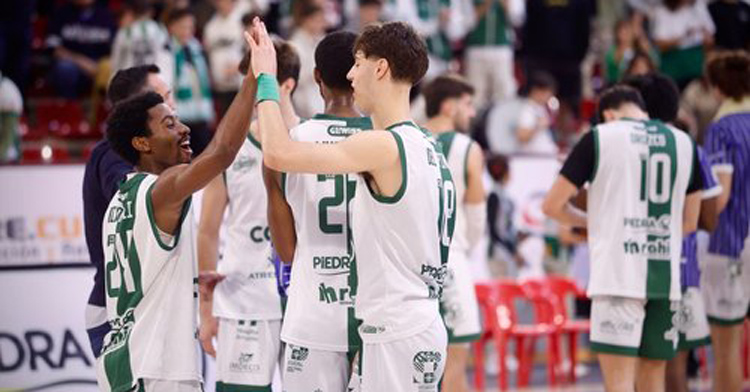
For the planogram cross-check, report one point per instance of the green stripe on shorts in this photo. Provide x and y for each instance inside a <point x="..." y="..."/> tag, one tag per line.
<point x="726" y="322"/>
<point x="613" y="349"/>
<point x="224" y="387"/>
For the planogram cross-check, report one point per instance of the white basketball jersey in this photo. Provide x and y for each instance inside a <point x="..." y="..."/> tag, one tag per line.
<point x="249" y="290"/>
<point x="455" y="148"/>
<point x="152" y="292"/>
<point x="319" y="311"/>
<point x="635" y="209"/>
<point x="402" y="242"/>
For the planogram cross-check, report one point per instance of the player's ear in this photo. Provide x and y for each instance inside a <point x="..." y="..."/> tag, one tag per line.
<point x="141" y="144"/>
<point x="316" y="76"/>
<point x="381" y="68"/>
<point x="288" y="85"/>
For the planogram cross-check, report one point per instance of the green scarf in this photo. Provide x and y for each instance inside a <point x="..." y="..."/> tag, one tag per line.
<point x="193" y="100"/>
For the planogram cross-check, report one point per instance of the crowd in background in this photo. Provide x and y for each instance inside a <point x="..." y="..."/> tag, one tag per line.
<point x="535" y="64"/>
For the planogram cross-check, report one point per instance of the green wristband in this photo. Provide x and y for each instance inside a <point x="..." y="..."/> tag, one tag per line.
<point x="268" y="88"/>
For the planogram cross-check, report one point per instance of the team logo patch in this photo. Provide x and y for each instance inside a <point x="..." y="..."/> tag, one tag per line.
<point x="245" y="363"/>
<point x="297" y="358"/>
<point x="426" y="366"/>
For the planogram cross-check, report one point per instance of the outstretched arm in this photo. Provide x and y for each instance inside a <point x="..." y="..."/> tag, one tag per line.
<point x="177" y="183"/>
<point x="362" y="152"/>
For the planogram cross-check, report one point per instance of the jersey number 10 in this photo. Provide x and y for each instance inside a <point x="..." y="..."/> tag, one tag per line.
<point x="656" y="178"/>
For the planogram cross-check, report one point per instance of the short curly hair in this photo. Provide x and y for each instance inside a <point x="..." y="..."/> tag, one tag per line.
<point x="729" y="71"/>
<point x="334" y="59"/>
<point x="400" y="45"/>
<point x="129" y="119"/>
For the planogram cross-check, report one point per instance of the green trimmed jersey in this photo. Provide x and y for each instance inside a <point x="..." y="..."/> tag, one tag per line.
<point x="320" y="307"/>
<point x="402" y="241"/>
<point x="455" y="147"/>
<point x="248" y="291"/>
<point x="492" y="29"/>
<point x="636" y="200"/>
<point x="151" y="284"/>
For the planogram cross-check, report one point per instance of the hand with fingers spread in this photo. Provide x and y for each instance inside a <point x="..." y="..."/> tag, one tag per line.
<point x="261" y="47"/>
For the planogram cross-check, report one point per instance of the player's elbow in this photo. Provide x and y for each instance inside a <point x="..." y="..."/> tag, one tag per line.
<point x="223" y="155"/>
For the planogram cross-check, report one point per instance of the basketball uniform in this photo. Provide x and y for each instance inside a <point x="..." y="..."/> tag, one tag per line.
<point x="641" y="172"/>
<point x="246" y="302"/>
<point x="458" y="304"/>
<point x="319" y="325"/>
<point x="152" y="295"/>
<point x="402" y="244"/>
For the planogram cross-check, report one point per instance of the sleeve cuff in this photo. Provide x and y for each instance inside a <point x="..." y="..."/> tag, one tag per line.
<point x="711" y="192"/>
<point x="722" y="168"/>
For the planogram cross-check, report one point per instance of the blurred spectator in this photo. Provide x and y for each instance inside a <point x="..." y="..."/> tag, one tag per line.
<point x="642" y="63"/>
<point x="681" y="30"/>
<point x="522" y="125"/>
<point x="224" y="45"/>
<point x="732" y="20"/>
<point x="141" y="40"/>
<point x="81" y="35"/>
<point x="700" y="105"/>
<point x="439" y="22"/>
<point x="556" y="40"/>
<point x="489" y="50"/>
<point x="629" y="40"/>
<point x="11" y="107"/>
<point x="310" y="29"/>
<point x="192" y="84"/>
<point x="15" y="39"/>
<point x="370" y="11"/>
<point x="503" y="257"/>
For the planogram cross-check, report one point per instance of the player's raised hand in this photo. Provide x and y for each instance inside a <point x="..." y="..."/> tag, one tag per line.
<point x="261" y="47"/>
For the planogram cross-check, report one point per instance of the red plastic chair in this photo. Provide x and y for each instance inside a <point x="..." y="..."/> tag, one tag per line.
<point x="497" y="305"/>
<point x="547" y="310"/>
<point x="561" y="287"/>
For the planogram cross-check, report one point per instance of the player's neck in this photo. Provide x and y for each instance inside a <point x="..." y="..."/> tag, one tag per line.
<point x="392" y="106"/>
<point x="440" y="124"/>
<point x="148" y="166"/>
<point x="341" y="106"/>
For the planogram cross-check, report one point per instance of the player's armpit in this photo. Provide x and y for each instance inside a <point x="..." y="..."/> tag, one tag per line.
<point x="362" y="152"/>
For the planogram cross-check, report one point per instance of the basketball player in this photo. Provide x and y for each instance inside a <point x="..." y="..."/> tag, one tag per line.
<point x="245" y="302"/>
<point x="151" y="272"/>
<point x="105" y="170"/>
<point x="402" y="219"/>
<point x="662" y="100"/>
<point x="449" y="107"/>
<point x="644" y="183"/>
<point x="319" y="325"/>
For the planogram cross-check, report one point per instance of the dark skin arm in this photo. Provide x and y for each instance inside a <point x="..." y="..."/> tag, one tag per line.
<point x="179" y="182"/>
<point x="709" y="215"/>
<point x="280" y="217"/>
